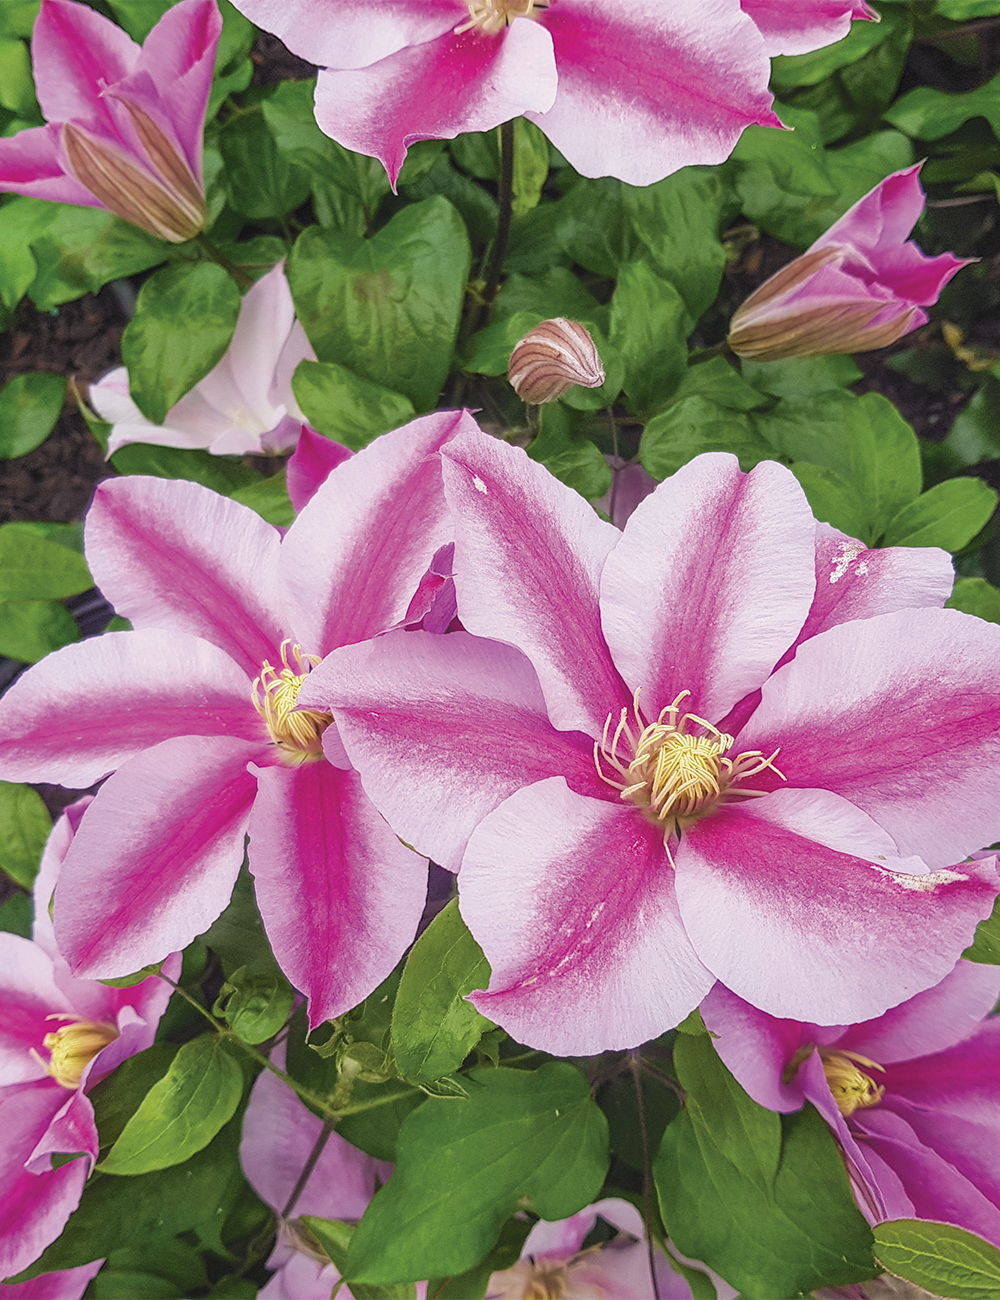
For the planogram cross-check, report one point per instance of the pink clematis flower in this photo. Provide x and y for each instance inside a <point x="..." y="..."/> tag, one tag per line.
<point x="194" y="712"/>
<point x="244" y="404"/>
<point x="911" y="1097"/>
<point x="124" y="123"/>
<point x="279" y="1136"/>
<point x="58" y="1037"/>
<point x="641" y="799"/>
<point x="860" y="286"/>
<point x="799" y="28"/>
<point x="65" y="1284"/>
<point x="622" y="89"/>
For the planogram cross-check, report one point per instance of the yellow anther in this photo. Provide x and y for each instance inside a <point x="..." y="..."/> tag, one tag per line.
<point x="852" y="1089"/>
<point x="297" y="732"/>
<point x="673" y="775"/>
<point x="492" y="16"/>
<point x="72" y="1047"/>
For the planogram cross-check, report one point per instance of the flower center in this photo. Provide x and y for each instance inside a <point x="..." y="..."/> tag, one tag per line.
<point x="852" y="1089"/>
<point x="72" y="1047"/>
<point x="675" y="774"/>
<point x="297" y="732"/>
<point x="492" y="16"/>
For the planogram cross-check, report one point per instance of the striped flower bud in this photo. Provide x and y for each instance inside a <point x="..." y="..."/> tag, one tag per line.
<point x="553" y="357"/>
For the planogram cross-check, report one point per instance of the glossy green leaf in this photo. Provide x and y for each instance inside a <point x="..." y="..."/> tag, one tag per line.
<point x="17" y="914"/>
<point x="224" y="474"/>
<point x="694" y="425"/>
<point x="17" y="17"/>
<point x="943" y="1259"/>
<point x="948" y="515"/>
<point x="31" y="629"/>
<point x="170" y="1268"/>
<point x="24" y="828"/>
<point x="574" y="461"/>
<point x="184" y="319"/>
<point x="593" y="227"/>
<point x="433" y="1027"/>
<point x="21" y="221"/>
<point x="985" y="947"/>
<point x="17" y="90"/>
<point x="342" y="405"/>
<point x="33" y="568"/>
<point x="261" y="180"/>
<point x="531" y="165"/>
<point x="29" y="407"/>
<point x="976" y="596"/>
<point x="778" y="1183"/>
<point x="335" y="1238"/>
<point x="975" y="435"/>
<point x="801" y="376"/>
<point x="183" y="1112"/>
<point x="81" y="249"/>
<point x="832" y="498"/>
<point x="810" y="69"/>
<point x="928" y="114"/>
<point x="475" y="1282"/>
<point x="268" y="496"/>
<point x="557" y="292"/>
<point x="490" y="348"/>
<point x="388" y="307"/>
<point x="649" y="324"/>
<point x="255" y="1006"/>
<point x="524" y="1137"/>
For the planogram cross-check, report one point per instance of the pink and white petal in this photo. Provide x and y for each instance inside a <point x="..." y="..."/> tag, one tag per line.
<point x="528" y="558"/>
<point x="783" y="903"/>
<point x="442" y="730"/>
<point x="279" y="1135"/>
<point x="710" y="583"/>
<point x="301" y="1277"/>
<point x="933" y="1021"/>
<point x="971" y="1146"/>
<point x="572" y="900"/>
<point x="960" y="1081"/>
<point x="883" y="218"/>
<point x="31" y="163"/>
<point x="339" y="895"/>
<point x="135" y="1012"/>
<point x="459" y="82"/>
<point x="75" y="54"/>
<point x="649" y="86"/>
<point x="66" y="1284"/>
<point x="906" y="271"/>
<point x="34" y="1207"/>
<point x="354" y="557"/>
<point x="355" y="33"/>
<point x="798" y="26"/>
<point x="155" y="859"/>
<point x="938" y="1190"/>
<point x="29" y="994"/>
<point x="53" y="855"/>
<point x="755" y="1047"/>
<point x="297" y="348"/>
<point x="83" y="710"/>
<point x="72" y="1130"/>
<point x="172" y="554"/>
<point x="900" y="714"/>
<point x="315" y="457"/>
<point x="112" y="401"/>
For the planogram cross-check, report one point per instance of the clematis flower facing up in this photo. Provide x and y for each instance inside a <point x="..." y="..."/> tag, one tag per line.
<point x="195" y="713"/>
<point x="124" y="123"/>
<point x="860" y="286"/>
<point x="726" y="743"/>
<point x="245" y="404"/>
<point x="910" y="1096"/>
<point x="58" y="1037"/>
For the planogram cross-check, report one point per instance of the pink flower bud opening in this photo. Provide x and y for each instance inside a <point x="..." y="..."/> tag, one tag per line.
<point x="553" y="357"/>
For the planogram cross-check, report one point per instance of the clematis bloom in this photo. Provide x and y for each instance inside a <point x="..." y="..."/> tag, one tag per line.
<point x="195" y="713"/>
<point x="124" y="123"/>
<point x="245" y="404"/>
<point x="799" y="28"/>
<point x="860" y="286"/>
<point x="725" y="743"/>
<point x="58" y="1037"/>
<point x="910" y="1096"/>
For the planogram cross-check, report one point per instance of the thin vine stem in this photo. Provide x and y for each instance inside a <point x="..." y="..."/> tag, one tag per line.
<point x="241" y="277"/>
<point x="635" y="1065"/>
<point x="506" y="200"/>
<point x="307" y="1169"/>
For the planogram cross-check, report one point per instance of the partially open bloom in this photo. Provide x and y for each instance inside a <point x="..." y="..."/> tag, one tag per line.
<point x="553" y="357"/>
<point x="196" y="714"/>
<point x="245" y="404"/>
<point x="725" y="743"/>
<point x="58" y="1037"/>
<point x="911" y="1097"/>
<point x="124" y="123"/>
<point x="860" y="286"/>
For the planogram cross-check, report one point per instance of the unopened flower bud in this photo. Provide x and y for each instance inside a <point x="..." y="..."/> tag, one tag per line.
<point x="553" y="357"/>
<point x="165" y="199"/>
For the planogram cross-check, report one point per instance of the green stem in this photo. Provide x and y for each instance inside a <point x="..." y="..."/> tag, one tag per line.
<point x="241" y="277"/>
<point x="307" y="1168"/>
<point x="706" y="354"/>
<point x="506" y="199"/>
<point x="634" y="1060"/>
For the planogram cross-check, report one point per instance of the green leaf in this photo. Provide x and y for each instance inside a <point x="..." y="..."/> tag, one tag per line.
<point x="649" y="325"/>
<point x="533" y="1138"/>
<point x="129" y="981"/>
<point x="832" y="498"/>
<point x="985" y="947"/>
<point x="975" y="435"/>
<point x="255" y="1006"/>
<point x="17" y="90"/>
<point x="949" y="515"/>
<point x="594" y="228"/>
<point x="801" y="376"/>
<point x="32" y="568"/>
<point x="24" y="828"/>
<point x="238" y="937"/>
<point x="17" y="17"/>
<point x="388" y="307"/>
<point x="81" y="249"/>
<point x="342" y="405"/>
<point x="490" y="348"/>
<point x="722" y="384"/>
<point x="29" y="407"/>
<point x="433" y="1027"/>
<point x="778" y="1184"/>
<point x="928" y="114"/>
<point x="183" y="1112"/>
<point x="268" y="495"/>
<point x="31" y="629"/>
<point x="117" y="1098"/>
<point x="184" y="320"/>
<point x="557" y="292"/>
<point x="574" y="461"/>
<point x="810" y="69"/>
<point x="223" y="474"/>
<point x="694" y="425"/>
<point x="939" y="1257"/>
<point x="474" y="1283"/>
<point x="21" y="221"/>
<point x="17" y="915"/>
<point x="335" y="1238"/>
<point x="261" y="180"/>
<point x="531" y="165"/>
<point x="976" y="596"/>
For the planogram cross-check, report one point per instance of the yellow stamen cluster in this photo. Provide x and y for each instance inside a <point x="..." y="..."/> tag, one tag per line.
<point x="72" y="1047"/>
<point x="852" y="1089"/>
<point x="297" y="732"/>
<point x="673" y="775"/>
<point x="492" y="16"/>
